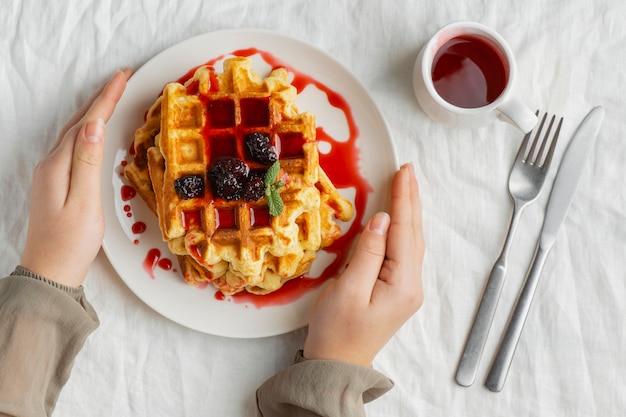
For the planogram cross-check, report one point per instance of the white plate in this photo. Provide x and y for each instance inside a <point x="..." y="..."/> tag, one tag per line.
<point x="166" y="292"/>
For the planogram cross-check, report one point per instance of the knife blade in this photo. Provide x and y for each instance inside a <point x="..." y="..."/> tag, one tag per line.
<point x="563" y="190"/>
<point x="569" y="173"/>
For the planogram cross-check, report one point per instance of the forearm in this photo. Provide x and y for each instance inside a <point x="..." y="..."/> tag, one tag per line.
<point x="320" y="388"/>
<point x="43" y="326"/>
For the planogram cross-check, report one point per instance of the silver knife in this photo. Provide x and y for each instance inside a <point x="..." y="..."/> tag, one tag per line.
<point x="563" y="189"/>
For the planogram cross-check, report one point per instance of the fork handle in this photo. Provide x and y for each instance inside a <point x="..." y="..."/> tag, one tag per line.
<point x="502" y="362"/>
<point x="468" y="365"/>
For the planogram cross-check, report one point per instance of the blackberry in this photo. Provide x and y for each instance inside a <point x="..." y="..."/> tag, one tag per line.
<point x="223" y="166"/>
<point x="189" y="186"/>
<point x="254" y="188"/>
<point x="260" y="148"/>
<point x="227" y="178"/>
<point x="228" y="187"/>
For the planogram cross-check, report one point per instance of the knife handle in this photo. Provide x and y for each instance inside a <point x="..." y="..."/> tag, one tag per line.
<point x="508" y="344"/>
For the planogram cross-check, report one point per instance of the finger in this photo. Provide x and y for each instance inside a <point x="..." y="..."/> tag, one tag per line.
<point x="120" y="75"/>
<point x="105" y="102"/>
<point x="400" y="242"/>
<point x="87" y="162"/>
<point x="418" y="235"/>
<point x="362" y="272"/>
<point x="53" y="172"/>
<point x="89" y="146"/>
<point x="80" y="112"/>
<point x="416" y="205"/>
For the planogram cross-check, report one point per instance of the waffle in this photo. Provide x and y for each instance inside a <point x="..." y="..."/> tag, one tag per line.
<point x="234" y="242"/>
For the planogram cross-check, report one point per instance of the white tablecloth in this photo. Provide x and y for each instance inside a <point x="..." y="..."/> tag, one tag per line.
<point x="571" y="56"/>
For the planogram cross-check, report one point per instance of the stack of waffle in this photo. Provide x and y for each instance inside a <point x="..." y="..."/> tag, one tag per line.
<point x="223" y="233"/>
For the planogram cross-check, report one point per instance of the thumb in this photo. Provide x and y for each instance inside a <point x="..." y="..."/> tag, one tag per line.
<point x="87" y="161"/>
<point x="364" y="268"/>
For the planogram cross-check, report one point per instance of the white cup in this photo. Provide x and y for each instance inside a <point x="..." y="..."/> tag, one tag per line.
<point x="503" y="106"/>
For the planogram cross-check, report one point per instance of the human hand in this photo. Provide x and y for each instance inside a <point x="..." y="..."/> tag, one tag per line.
<point x="66" y="221"/>
<point x="381" y="288"/>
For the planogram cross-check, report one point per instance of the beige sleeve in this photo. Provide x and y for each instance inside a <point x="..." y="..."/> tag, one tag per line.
<point x="43" y="326"/>
<point x="320" y="388"/>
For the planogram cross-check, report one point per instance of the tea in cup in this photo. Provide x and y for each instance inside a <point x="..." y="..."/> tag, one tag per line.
<point x="464" y="77"/>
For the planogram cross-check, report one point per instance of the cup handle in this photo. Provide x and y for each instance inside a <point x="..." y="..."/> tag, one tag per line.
<point x="516" y="113"/>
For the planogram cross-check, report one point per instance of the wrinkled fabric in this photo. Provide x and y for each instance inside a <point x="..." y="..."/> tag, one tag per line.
<point x="570" y="56"/>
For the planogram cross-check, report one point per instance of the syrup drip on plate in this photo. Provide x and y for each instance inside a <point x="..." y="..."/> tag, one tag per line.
<point x="153" y="260"/>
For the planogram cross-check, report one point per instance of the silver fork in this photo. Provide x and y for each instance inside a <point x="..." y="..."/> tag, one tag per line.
<point x="525" y="182"/>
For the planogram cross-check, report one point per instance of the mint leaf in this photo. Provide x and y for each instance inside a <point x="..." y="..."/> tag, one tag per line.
<point x="272" y="185"/>
<point x="271" y="173"/>
<point x="275" y="203"/>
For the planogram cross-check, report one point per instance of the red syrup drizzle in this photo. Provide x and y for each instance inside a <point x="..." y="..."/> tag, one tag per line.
<point x="128" y="192"/>
<point x="128" y="210"/>
<point x="138" y="228"/>
<point x="342" y="175"/>
<point x="153" y="260"/>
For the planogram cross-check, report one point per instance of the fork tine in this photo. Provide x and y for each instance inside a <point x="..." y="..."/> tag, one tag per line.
<point x="550" y="153"/>
<point x="531" y="152"/>
<point x="521" y="153"/>
<point x="546" y="137"/>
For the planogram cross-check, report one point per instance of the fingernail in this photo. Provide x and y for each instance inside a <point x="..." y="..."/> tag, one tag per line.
<point x="94" y="131"/>
<point x="379" y="223"/>
<point x="127" y="71"/>
<point x="410" y="167"/>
